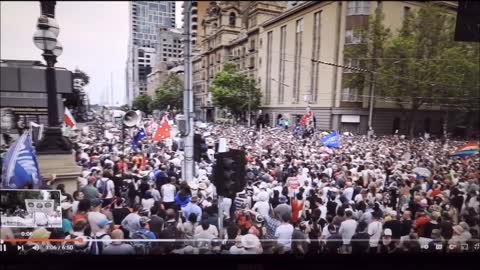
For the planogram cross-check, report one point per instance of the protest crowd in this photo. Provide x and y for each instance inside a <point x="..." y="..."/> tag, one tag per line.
<point x="379" y="195"/>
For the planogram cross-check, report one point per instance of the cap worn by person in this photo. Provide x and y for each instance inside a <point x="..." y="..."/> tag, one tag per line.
<point x="283" y="199"/>
<point x="96" y="202"/>
<point x="458" y="229"/>
<point x="66" y="205"/>
<point x="144" y="221"/>
<point x="250" y="241"/>
<point x="387" y="232"/>
<point x="103" y="223"/>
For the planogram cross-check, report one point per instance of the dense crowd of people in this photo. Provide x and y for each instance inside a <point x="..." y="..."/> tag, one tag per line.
<point x="380" y="195"/>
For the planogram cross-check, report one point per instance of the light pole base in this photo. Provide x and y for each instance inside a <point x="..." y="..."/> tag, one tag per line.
<point x="54" y="142"/>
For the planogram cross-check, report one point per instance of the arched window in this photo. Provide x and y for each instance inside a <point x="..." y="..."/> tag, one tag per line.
<point x="232" y="19"/>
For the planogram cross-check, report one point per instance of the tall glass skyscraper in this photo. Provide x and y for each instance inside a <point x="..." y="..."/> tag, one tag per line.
<point x="146" y="17"/>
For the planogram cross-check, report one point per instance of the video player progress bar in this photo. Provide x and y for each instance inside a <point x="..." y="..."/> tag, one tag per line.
<point x="80" y="240"/>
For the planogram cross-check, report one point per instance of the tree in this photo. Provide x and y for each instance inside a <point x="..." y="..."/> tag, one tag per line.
<point x="235" y="91"/>
<point x="141" y="103"/>
<point x="423" y="64"/>
<point x="367" y="50"/>
<point x="420" y="65"/>
<point x="169" y="93"/>
<point x="81" y="75"/>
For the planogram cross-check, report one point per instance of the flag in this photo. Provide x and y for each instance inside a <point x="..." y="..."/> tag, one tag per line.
<point x="139" y="136"/>
<point x="163" y="130"/>
<point x="20" y="166"/>
<point x="331" y="140"/>
<point x="470" y="148"/>
<point x="68" y="118"/>
<point x="306" y="118"/>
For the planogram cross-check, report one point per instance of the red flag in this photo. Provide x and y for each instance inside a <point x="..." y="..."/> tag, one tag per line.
<point x="68" y="118"/>
<point x="162" y="132"/>
<point x="305" y="118"/>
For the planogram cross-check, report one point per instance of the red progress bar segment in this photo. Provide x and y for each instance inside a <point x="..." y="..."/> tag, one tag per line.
<point x="80" y="240"/>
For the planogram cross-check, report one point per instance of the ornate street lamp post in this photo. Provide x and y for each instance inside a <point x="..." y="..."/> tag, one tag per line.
<point x="45" y="38"/>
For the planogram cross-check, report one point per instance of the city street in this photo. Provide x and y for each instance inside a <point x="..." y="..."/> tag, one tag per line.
<point x="302" y="128"/>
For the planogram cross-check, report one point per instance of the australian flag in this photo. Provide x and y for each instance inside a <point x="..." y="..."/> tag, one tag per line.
<point x="331" y="140"/>
<point x="139" y="136"/>
<point x="20" y="166"/>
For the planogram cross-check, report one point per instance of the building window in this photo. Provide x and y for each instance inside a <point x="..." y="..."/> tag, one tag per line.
<point x="281" y="70"/>
<point x="232" y="18"/>
<point x="350" y="94"/>
<point x="354" y="37"/>
<point x="315" y="73"/>
<point x="406" y="12"/>
<point x="357" y="8"/>
<point x="300" y="26"/>
<point x="268" y="89"/>
<point x="297" y="61"/>
<point x="252" y="45"/>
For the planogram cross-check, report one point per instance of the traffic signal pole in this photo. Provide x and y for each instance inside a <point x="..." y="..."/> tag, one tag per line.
<point x="220" y="202"/>
<point x="189" y="163"/>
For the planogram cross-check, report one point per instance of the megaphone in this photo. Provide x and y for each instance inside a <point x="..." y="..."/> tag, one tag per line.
<point x="131" y="118"/>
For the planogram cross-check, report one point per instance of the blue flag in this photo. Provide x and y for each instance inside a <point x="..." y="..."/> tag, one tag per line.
<point x="331" y="140"/>
<point x="139" y="136"/>
<point x="20" y="166"/>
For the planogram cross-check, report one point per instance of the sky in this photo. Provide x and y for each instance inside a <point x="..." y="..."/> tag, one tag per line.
<point x="94" y="36"/>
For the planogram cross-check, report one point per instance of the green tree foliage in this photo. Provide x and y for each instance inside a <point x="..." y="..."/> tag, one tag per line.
<point x="426" y="66"/>
<point x="368" y="49"/>
<point x="169" y="93"/>
<point x="141" y="103"/>
<point x="235" y="91"/>
<point x="421" y="65"/>
<point x="82" y="75"/>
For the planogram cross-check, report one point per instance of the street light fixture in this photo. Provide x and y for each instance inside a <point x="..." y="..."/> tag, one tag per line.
<point x="45" y="38"/>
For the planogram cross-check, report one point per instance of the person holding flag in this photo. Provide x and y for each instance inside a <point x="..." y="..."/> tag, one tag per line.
<point x="20" y="165"/>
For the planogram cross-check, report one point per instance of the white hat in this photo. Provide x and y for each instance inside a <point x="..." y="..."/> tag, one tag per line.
<point x="263" y="185"/>
<point x="66" y="205"/>
<point x="387" y="232"/>
<point x="250" y="241"/>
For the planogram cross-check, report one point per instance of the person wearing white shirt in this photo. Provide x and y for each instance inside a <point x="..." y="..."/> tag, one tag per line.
<point x="328" y="171"/>
<point x="94" y="217"/>
<point x="284" y="233"/>
<point x="375" y="232"/>
<point x="348" y="191"/>
<point x="168" y="193"/>
<point x="347" y="229"/>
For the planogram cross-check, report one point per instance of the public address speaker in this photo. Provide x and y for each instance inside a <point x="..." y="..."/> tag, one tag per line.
<point x="131" y="118"/>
